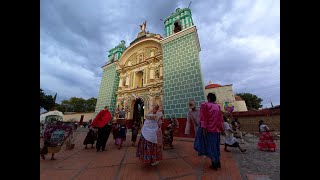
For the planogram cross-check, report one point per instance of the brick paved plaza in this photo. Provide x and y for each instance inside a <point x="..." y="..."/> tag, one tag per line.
<point x="179" y="163"/>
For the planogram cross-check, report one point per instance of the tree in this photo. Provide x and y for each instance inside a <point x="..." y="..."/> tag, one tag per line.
<point x="42" y="98"/>
<point x="91" y="104"/>
<point x="46" y="101"/>
<point x="75" y="104"/>
<point x="253" y="102"/>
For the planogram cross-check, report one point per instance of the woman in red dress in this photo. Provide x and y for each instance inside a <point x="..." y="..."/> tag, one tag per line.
<point x="266" y="142"/>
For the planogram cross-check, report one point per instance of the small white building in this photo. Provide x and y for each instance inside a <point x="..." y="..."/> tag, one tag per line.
<point x="224" y="93"/>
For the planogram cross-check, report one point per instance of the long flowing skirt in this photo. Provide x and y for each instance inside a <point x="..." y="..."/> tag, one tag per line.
<point x="148" y="152"/>
<point x="266" y="142"/>
<point x="208" y="145"/>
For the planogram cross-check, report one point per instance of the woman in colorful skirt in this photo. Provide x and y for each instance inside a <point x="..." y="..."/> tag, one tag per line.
<point x="148" y="150"/>
<point x="207" y="141"/>
<point x="266" y="142"/>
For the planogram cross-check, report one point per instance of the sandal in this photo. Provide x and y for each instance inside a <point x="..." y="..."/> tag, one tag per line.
<point x="154" y="163"/>
<point x="244" y="150"/>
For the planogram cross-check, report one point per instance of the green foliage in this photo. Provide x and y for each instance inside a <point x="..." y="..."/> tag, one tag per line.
<point x="75" y="104"/>
<point x="253" y="102"/>
<point x="46" y="101"/>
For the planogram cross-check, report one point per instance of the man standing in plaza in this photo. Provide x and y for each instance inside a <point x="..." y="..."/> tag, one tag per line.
<point x="102" y="122"/>
<point x="193" y="116"/>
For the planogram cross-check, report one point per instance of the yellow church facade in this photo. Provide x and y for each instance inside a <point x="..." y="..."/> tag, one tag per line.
<point x="140" y="71"/>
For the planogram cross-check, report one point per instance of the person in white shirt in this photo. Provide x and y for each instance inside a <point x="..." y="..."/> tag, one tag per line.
<point x="148" y="149"/>
<point x="230" y="140"/>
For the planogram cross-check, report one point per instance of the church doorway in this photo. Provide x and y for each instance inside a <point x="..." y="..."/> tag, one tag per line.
<point x="138" y="111"/>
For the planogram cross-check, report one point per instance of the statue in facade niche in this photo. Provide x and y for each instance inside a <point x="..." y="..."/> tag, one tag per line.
<point x="143" y="26"/>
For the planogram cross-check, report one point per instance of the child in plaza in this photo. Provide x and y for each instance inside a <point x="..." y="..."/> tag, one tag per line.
<point x="90" y="138"/>
<point x="115" y="130"/>
<point x="121" y="136"/>
<point x="173" y="124"/>
<point x="166" y="138"/>
<point x="135" y="130"/>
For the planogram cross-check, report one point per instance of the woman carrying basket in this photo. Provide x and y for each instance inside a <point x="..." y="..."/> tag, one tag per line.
<point x="54" y="135"/>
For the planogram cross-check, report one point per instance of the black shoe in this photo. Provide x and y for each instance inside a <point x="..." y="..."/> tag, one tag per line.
<point x="214" y="167"/>
<point x="219" y="165"/>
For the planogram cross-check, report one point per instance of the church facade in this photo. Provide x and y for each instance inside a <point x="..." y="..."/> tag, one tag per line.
<point x="155" y="69"/>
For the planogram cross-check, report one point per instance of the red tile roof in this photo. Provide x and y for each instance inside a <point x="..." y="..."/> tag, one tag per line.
<point x="210" y="86"/>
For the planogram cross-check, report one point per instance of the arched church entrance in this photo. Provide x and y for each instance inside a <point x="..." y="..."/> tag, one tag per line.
<point x="138" y="111"/>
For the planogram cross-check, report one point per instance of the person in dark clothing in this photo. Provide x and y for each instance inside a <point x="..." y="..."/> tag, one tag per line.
<point x="135" y="130"/>
<point x="102" y="122"/>
<point x="90" y="138"/>
<point x="122" y="133"/>
<point x="122" y="114"/>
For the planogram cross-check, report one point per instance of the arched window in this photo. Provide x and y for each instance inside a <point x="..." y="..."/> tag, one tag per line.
<point x="177" y="27"/>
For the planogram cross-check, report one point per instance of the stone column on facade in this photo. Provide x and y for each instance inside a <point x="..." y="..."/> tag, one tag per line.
<point x="161" y="73"/>
<point x="152" y="73"/>
<point x="144" y="77"/>
<point x="120" y="82"/>
<point x="134" y="80"/>
<point x="147" y="74"/>
<point x="127" y="80"/>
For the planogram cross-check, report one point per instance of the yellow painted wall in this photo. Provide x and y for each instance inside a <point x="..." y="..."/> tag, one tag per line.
<point x="224" y="94"/>
<point x="240" y="106"/>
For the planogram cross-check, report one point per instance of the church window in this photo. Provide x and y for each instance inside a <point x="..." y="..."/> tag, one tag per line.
<point x="177" y="27"/>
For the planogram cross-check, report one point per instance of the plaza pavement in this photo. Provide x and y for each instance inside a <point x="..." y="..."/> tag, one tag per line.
<point x="182" y="162"/>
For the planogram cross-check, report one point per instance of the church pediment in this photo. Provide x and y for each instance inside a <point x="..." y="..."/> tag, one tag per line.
<point x="139" y="53"/>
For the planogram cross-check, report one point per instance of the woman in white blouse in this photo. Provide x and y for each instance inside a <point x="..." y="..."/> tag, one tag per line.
<point x="230" y="140"/>
<point x="148" y="150"/>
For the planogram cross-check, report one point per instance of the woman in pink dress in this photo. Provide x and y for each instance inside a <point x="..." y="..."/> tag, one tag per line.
<point x="207" y="141"/>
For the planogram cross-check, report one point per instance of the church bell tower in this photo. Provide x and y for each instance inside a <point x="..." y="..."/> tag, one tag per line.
<point x="181" y="63"/>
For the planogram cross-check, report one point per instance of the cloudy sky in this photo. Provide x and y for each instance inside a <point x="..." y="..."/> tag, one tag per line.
<point x="240" y="41"/>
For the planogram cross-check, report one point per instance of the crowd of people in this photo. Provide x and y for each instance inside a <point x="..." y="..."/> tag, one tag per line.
<point x="208" y="122"/>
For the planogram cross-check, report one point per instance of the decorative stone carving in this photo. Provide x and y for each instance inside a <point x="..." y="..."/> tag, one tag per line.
<point x="151" y="74"/>
<point x="127" y="80"/>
